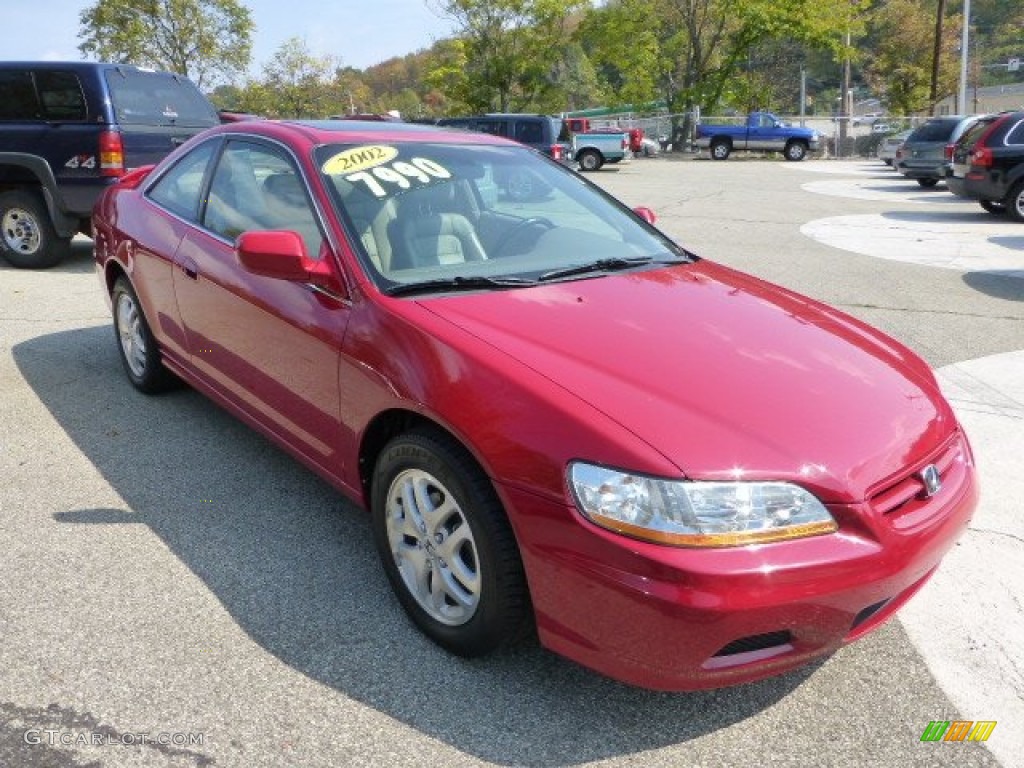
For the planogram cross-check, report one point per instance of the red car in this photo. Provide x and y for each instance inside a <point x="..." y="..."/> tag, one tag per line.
<point x="557" y="417"/>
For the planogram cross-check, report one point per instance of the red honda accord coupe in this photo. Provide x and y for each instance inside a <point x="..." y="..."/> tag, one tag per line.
<point x="681" y="476"/>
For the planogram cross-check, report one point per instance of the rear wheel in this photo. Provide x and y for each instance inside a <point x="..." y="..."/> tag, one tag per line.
<point x="927" y="182"/>
<point x="27" y="237"/>
<point x="1015" y="201"/>
<point x="446" y="544"/>
<point x="139" y="352"/>
<point x="589" y="160"/>
<point x="993" y="207"/>
<point x="720" y="150"/>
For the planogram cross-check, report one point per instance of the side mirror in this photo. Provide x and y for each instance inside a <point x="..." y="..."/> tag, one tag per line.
<point x="646" y="214"/>
<point x="274" y="253"/>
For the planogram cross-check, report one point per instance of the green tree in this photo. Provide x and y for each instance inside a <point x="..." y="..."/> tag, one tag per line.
<point x="695" y="51"/>
<point x="510" y="48"/>
<point x="206" y="40"/>
<point x="302" y="82"/>
<point x="903" y="36"/>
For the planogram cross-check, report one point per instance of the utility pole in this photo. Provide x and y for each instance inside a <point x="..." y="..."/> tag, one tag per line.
<point x="845" y="102"/>
<point x="937" y="55"/>
<point x="961" y="102"/>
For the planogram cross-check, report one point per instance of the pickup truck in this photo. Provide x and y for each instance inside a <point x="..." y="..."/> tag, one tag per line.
<point x="762" y="131"/>
<point x="592" y="148"/>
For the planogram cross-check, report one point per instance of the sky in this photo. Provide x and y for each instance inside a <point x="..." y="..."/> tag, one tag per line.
<point x="359" y="32"/>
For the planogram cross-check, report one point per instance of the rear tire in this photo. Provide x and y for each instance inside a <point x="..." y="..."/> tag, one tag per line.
<point x="993" y="207"/>
<point x="1015" y="202"/>
<point x="589" y="160"/>
<point x="27" y="237"/>
<point x="720" y="150"/>
<point x="927" y="183"/>
<point x="135" y="343"/>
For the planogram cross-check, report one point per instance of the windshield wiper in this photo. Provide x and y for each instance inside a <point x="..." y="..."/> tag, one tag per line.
<point x="605" y="265"/>
<point x="457" y="283"/>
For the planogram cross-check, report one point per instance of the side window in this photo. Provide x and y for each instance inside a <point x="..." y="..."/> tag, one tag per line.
<point x="257" y="187"/>
<point x="529" y="132"/>
<point x="767" y="122"/>
<point x="179" y="190"/>
<point x="18" y="96"/>
<point x="61" y="96"/>
<point x="494" y="127"/>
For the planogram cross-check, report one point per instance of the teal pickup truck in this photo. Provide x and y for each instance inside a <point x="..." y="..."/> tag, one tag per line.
<point x="761" y="132"/>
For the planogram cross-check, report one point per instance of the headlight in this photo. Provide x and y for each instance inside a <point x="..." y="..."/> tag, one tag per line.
<point x="696" y="514"/>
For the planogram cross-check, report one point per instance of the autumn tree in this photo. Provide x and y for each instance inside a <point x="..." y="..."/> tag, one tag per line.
<point x="206" y="40"/>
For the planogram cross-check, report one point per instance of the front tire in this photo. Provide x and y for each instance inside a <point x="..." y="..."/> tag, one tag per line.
<point x="446" y="544"/>
<point x="135" y="343"/>
<point x="795" y="151"/>
<point x="27" y="237"/>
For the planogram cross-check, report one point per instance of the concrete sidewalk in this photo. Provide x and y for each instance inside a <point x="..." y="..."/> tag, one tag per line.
<point x="968" y="623"/>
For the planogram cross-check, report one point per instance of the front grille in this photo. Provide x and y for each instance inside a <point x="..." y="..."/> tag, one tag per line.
<point x="906" y="492"/>
<point x="756" y="643"/>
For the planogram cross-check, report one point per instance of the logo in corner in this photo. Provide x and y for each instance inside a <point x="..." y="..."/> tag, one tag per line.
<point x="932" y="482"/>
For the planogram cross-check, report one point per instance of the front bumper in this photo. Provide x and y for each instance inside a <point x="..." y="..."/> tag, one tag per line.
<point x="684" y="619"/>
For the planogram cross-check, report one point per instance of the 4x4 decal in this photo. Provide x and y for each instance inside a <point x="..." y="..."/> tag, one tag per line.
<point x="81" y="161"/>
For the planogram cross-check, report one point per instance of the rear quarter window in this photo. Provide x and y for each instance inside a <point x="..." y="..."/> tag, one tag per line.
<point x="61" y="96"/>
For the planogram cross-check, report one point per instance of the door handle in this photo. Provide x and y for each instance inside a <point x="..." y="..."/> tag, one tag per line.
<point x="190" y="268"/>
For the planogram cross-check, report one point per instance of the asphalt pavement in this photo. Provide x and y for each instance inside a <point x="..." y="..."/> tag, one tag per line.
<point x="175" y="591"/>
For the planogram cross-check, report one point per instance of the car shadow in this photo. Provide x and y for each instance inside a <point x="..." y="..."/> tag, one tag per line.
<point x="976" y="215"/>
<point x="78" y="261"/>
<point x="294" y="565"/>
<point x="1000" y="284"/>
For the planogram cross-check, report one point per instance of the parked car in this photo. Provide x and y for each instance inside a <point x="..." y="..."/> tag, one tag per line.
<point x="868" y="118"/>
<point x="544" y="133"/>
<point x="492" y="381"/>
<point x="887" y="147"/>
<point x="988" y="164"/>
<point x="760" y="131"/>
<point x="922" y="156"/>
<point x="69" y="130"/>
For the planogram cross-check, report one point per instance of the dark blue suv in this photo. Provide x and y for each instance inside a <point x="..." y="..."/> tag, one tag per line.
<point x="67" y="131"/>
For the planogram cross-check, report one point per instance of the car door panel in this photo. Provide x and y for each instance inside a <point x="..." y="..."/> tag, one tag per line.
<point x="268" y="346"/>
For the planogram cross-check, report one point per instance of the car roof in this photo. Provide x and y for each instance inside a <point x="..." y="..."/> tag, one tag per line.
<point x="317" y="132"/>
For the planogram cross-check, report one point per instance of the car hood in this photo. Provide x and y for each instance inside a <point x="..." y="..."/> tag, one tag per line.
<point x="723" y="374"/>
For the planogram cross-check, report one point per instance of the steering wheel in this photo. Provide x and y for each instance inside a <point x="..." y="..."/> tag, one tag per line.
<point x="517" y="229"/>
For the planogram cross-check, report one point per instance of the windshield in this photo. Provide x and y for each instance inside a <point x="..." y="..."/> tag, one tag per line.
<point x="486" y="215"/>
